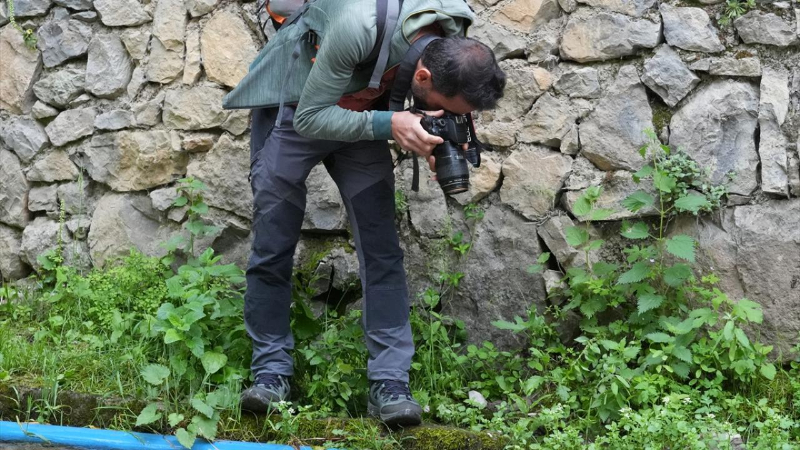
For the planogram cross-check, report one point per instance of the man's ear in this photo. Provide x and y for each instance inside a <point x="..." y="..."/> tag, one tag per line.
<point x="423" y="76"/>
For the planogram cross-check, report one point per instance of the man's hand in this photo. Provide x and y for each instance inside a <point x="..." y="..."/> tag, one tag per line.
<point x="408" y="132"/>
<point x="432" y="160"/>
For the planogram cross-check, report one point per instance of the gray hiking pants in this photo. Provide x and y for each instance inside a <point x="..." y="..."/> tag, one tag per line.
<point x="280" y="161"/>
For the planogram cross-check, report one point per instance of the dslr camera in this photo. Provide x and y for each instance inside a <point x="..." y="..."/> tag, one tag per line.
<point x="451" y="161"/>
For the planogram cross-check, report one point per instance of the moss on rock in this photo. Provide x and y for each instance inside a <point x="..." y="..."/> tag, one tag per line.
<point x="662" y="115"/>
<point x="431" y="437"/>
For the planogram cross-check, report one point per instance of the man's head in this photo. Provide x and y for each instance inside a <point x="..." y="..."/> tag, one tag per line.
<point x="459" y="75"/>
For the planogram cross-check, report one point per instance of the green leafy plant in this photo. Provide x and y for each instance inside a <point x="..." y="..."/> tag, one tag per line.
<point x="28" y="35"/>
<point x="664" y="358"/>
<point x="667" y="318"/>
<point x="735" y="9"/>
<point x="191" y="197"/>
<point x="400" y="203"/>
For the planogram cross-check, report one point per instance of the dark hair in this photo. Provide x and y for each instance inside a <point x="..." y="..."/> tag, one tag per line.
<point x="461" y="65"/>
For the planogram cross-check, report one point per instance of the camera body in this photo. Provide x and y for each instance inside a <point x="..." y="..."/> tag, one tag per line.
<point x="451" y="161"/>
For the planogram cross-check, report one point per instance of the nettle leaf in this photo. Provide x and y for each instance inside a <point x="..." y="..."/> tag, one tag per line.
<point x="639" y="230"/>
<point x="166" y="308"/>
<point x="221" y="398"/>
<point x="532" y="384"/>
<point x="185" y="438"/>
<point x="742" y="338"/>
<point x="590" y="307"/>
<point x="582" y="206"/>
<point x="683" y="327"/>
<point x="199" y="404"/>
<point x="148" y="415"/>
<point x="535" y="268"/>
<point x="539" y="266"/>
<point x="748" y="309"/>
<point x="677" y="274"/>
<point x="206" y="427"/>
<point x="681" y="369"/>
<point x="631" y="352"/>
<point x="196" y="346"/>
<point x="200" y="208"/>
<point x="601" y="214"/>
<point x="213" y="361"/>
<point x="610" y="345"/>
<point x="194" y="226"/>
<point x="769" y="371"/>
<point x="663" y="181"/>
<point x="727" y="331"/>
<point x="174" y="419"/>
<point x="155" y="374"/>
<point x="602" y="268"/>
<point x="594" y="245"/>
<point x="576" y="236"/>
<point x="681" y="246"/>
<point x="649" y="302"/>
<point x="637" y="201"/>
<point x="691" y="202"/>
<point x="520" y="325"/>
<point x="637" y="273"/>
<point x="661" y="338"/>
<point x="682" y="353"/>
<point x="644" y="172"/>
<point x="172" y="335"/>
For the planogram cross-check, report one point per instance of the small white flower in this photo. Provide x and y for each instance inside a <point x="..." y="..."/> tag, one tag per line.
<point x="427" y="408"/>
<point x="711" y="415"/>
<point x="652" y="260"/>
<point x="291" y="410"/>
<point x="687" y="400"/>
<point x="665" y="400"/>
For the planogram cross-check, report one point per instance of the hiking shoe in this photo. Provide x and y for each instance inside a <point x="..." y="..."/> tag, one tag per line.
<point x="392" y="403"/>
<point x="266" y="391"/>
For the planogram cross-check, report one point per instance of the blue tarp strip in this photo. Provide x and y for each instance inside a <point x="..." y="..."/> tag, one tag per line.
<point x="91" y="438"/>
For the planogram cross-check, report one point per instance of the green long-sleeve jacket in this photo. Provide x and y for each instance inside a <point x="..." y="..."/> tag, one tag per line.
<point x="346" y="30"/>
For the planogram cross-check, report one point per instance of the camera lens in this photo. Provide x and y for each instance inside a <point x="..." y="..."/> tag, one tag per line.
<point x="451" y="168"/>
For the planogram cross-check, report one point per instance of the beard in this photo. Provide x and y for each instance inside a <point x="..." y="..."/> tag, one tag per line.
<point x="419" y="94"/>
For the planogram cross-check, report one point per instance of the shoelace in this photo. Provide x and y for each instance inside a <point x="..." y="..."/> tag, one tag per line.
<point x="394" y="389"/>
<point x="269" y="380"/>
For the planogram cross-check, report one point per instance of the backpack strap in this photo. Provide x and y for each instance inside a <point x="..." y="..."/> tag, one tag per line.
<point x="402" y="87"/>
<point x="298" y="47"/>
<point x="387" y="13"/>
<point x="405" y="73"/>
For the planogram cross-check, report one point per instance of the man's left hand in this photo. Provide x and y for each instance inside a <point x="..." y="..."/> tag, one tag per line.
<point x="432" y="161"/>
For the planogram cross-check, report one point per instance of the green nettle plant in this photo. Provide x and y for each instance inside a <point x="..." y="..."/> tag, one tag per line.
<point x="201" y="328"/>
<point x="649" y="314"/>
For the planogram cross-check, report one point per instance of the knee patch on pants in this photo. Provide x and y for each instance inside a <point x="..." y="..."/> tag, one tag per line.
<point x="386" y="293"/>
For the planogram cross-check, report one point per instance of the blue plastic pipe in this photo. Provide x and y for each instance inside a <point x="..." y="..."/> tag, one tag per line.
<point x="90" y="438"/>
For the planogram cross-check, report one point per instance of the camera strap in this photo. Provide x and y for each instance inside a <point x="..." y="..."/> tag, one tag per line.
<point x="401" y="89"/>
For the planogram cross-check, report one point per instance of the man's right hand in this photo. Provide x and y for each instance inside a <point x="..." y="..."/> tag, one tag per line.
<point x="408" y="132"/>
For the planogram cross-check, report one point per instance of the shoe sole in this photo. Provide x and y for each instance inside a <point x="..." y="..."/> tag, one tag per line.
<point x="251" y="401"/>
<point x="256" y="405"/>
<point x="403" y="418"/>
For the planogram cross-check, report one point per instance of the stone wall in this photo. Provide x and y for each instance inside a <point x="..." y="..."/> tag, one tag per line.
<point x="122" y="97"/>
